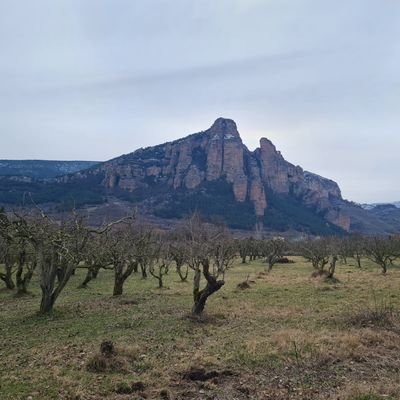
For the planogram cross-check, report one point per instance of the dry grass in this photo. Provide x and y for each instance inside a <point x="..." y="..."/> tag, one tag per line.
<point x="289" y="337"/>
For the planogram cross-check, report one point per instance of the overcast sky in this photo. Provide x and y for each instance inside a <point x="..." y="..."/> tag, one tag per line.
<point x="92" y="79"/>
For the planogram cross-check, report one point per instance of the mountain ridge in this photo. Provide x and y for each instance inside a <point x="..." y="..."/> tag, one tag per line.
<point x="218" y="153"/>
<point x="42" y="169"/>
<point x="213" y="172"/>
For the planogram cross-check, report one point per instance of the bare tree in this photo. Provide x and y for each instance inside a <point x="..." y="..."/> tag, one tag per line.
<point x="320" y="252"/>
<point x="6" y="257"/>
<point x="178" y="254"/>
<point x="118" y="245"/>
<point x="273" y="250"/>
<point x="357" y="248"/>
<point x="210" y="251"/>
<point x="162" y="259"/>
<point x="95" y="258"/>
<point x="382" y="250"/>
<point x="248" y="248"/>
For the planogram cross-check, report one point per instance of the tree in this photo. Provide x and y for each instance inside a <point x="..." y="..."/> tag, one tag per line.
<point x="382" y="250"/>
<point x="118" y="246"/>
<point x="273" y="250"/>
<point x="58" y="247"/>
<point x="178" y="253"/>
<point x="126" y="248"/>
<point x="320" y="252"/>
<point x="6" y="258"/>
<point x="357" y="248"/>
<point x="95" y="258"/>
<point x="162" y="259"/>
<point x="209" y="252"/>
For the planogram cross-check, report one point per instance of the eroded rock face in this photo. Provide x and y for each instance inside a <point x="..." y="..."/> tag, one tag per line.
<point x="218" y="153"/>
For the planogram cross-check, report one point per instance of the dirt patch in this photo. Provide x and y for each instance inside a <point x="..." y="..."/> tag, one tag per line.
<point x="202" y="375"/>
<point x="111" y="359"/>
<point x="243" y="285"/>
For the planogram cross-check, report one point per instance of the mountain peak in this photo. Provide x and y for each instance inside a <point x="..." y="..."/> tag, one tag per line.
<point x="224" y="127"/>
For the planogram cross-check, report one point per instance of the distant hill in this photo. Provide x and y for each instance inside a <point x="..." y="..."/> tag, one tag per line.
<point x="42" y="169"/>
<point x="374" y="205"/>
<point x="214" y="173"/>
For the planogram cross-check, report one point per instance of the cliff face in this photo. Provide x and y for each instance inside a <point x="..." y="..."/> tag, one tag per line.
<point x="219" y="154"/>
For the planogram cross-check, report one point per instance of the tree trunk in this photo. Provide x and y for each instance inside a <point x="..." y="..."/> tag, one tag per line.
<point x="47" y="302"/>
<point x="332" y="267"/>
<point x="7" y="279"/>
<point x="60" y="274"/>
<point x="182" y="276"/>
<point x="91" y="274"/>
<point x="88" y="278"/>
<point x="118" y="287"/>
<point x="201" y="296"/>
<point x="144" y="270"/>
<point x="95" y="272"/>
<point x="384" y="268"/>
<point x="23" y="282"/>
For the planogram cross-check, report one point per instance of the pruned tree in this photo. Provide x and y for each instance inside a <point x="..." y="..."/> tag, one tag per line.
<point x="248" y="248"/>
<point x="143" y="242"/>
<point x="178" y="253"/>
<point x="382" y="250"/>
<point x="58" y="249"/>
<point x="118" y="246"/>
<point x="162" y="259"/>
<point x="126" y="248"/>
<point x="356" y="243"/>
<point x="95" y="258"/>
<point x="210" y="252"/>
<point x="7" y="240"/>
<point x="320" y="253"/>
<point x="273" y="250"/>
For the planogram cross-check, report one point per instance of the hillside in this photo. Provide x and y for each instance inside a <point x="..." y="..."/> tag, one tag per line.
<point x="42" y="169"/>
<point x="214" y="173"/>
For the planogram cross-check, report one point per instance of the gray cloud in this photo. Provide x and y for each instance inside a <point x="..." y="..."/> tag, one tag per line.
<point x="96" y="78"/>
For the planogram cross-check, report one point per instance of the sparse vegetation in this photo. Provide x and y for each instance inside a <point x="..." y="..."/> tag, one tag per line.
<point x="281" y="338"/>
<point x="288" y="337"/>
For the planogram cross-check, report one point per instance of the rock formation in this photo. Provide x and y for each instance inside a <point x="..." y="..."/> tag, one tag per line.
<point x="219" y="154"/>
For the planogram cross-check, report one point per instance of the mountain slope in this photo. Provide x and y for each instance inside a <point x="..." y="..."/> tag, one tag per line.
<point x="42" y="169"/>
<point x="213" y="172"/>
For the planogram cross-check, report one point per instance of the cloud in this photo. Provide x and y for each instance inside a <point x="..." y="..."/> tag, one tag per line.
<point x="93" y="79"/>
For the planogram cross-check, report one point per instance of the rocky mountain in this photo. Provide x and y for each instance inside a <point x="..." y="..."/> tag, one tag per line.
<point x="41" y="169"/>
<point x="214" y="173"/>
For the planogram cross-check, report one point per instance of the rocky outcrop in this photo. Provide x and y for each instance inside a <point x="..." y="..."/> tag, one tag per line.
<point x="218" y="153"/>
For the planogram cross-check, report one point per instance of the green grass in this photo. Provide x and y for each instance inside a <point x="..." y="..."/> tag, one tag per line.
<point x="287" y="335"/>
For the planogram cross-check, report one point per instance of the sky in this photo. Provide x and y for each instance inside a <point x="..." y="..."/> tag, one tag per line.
<point x="93" y="79"/>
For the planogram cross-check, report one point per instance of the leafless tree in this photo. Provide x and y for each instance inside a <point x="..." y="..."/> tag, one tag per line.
<point x="382" y="250"/>
<point x="178" y="253"/>
<point x="95" y="258"/>
<point x="210" y="252"/>
<point x="162" y="259"/>
<point x="273" y="250"/>
<point x="118" y="246"/>
<point x="357" y="248"/>
<point x="320" y="252"/>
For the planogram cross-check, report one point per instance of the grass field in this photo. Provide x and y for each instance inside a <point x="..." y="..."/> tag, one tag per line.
<point x="287" y="337"/>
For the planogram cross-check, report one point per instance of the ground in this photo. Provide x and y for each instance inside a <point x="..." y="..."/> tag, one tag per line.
<point x="288" y="336"/>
